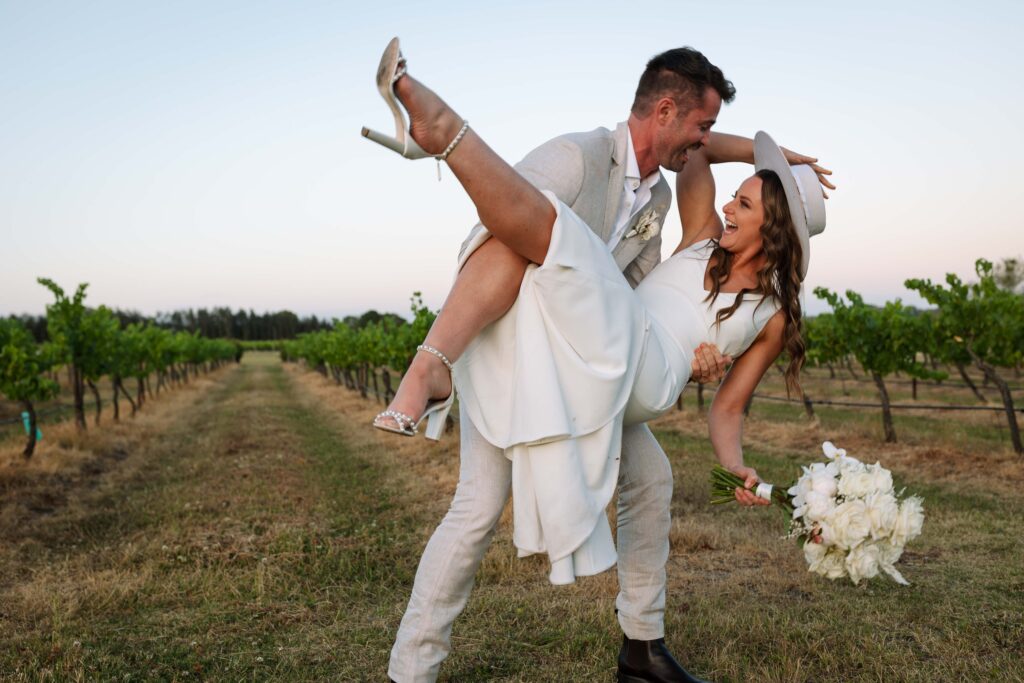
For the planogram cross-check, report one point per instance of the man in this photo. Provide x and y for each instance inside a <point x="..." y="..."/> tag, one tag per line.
<point x="611" y="179"/>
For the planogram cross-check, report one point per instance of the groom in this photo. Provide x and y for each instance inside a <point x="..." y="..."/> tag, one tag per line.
<point x="612" y="180"/>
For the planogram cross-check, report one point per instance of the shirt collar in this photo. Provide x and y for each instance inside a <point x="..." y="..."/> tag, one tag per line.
<point x="632" y="165"/>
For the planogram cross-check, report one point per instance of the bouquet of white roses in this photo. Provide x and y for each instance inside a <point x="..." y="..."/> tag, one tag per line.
<point x="845" y="513"/>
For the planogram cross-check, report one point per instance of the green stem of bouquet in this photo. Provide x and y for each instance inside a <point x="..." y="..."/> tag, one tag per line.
<point x="724" y="484"/>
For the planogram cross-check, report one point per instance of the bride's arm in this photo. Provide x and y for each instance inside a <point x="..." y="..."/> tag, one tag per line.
<point x="725" y="419"/>
<point x="695" y="195"/>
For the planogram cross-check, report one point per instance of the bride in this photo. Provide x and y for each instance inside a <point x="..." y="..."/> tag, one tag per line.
<point x="581" y="353"/>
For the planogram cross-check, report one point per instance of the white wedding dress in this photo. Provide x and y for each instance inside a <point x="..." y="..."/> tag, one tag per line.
<point x="579" y="355"/>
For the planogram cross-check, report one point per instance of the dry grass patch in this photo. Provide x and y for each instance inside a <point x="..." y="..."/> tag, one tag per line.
<point x="741" y="605"/>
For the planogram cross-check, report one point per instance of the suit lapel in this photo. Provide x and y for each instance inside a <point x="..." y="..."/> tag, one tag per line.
<point x="616" y="178"/>
<point x="661" y="198"/>
<point x="628" y="247"/>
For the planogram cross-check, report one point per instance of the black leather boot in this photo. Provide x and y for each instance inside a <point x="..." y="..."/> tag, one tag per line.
<point x="649" y="661"/>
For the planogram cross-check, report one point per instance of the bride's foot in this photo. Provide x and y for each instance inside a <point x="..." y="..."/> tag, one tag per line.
<point x="432" y="123"/>
<point x="427" y="380"/>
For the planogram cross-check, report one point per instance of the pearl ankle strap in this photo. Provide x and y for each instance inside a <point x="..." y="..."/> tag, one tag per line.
<point x="431" y="349"/>
<point x="443" y="156"/>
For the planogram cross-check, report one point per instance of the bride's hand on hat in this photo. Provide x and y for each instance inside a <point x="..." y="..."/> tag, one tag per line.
<point x="797" y="158"/>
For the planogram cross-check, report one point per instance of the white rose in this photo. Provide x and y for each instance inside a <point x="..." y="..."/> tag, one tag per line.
<point x="814" y="479"/>
<point x="909" y="521"/>
<point x="855" y="484"/>
<point x="800" y="488"/>
<point x="799" y="491"/>
<point x="882" y="508"/>
<point x="818" y="506"/>
<point x="813" y="552"/>
<point x="889" y="555"/>
<point x="849" y="524"/>
<point x="849" y="465"/>
<point x="829" y="563"/>
<point x="824" y="483"/>
<point x="881" y="478"/>
<point x="863" y="562"/>
<point x="819" y="468"/>
<point x="819" y="561"/>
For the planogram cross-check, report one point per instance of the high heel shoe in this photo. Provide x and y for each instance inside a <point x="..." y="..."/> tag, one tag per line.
<point x="436" y="412"/>
<point x="392" y="67"/>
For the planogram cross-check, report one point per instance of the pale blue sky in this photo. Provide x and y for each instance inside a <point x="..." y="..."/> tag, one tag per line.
<point x="208" y="153"/>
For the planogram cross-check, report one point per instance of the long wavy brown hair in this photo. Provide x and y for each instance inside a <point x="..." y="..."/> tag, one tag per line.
<point x="779" y="277"/>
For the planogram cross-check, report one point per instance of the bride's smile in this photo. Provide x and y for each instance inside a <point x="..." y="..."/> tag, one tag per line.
<point x="743" y="217"/>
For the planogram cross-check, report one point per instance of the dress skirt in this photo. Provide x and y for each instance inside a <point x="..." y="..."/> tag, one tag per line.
<point x="550" y="382"/>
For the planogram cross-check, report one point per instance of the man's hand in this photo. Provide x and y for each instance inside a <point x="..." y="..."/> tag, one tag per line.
<point x="745" y="495"/>
<point x="821" y="171"/>
<point x="708" y="365"/>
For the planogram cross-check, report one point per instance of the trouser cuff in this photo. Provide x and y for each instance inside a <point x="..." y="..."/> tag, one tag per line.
<point x="637" y="629"/>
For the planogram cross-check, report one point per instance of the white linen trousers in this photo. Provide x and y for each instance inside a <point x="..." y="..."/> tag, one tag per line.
<point x="454" y="552"/>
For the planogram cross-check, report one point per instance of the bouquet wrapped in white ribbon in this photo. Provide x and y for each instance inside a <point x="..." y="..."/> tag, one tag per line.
<point x="847" y="515"/>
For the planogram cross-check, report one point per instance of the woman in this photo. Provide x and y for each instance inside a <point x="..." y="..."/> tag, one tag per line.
<point x="590" y="354"/>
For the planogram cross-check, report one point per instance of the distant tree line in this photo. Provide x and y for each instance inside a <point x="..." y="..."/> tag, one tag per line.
<point x="222" y="323"/>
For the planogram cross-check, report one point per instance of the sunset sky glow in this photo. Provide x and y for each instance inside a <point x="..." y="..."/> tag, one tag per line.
<point x="201" y="154"/>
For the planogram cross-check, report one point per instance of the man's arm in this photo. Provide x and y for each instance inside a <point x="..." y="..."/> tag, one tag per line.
<point x="724" y="148"/>
<point x="556" y="166"/>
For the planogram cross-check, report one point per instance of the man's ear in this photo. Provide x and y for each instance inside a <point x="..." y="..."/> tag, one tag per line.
<point x="665" y="110"/>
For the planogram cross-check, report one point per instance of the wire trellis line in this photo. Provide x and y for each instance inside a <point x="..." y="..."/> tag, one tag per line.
<point x="878" y="406"/>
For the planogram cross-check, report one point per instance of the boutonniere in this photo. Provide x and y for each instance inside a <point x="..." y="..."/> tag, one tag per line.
<point x="646" y="227"/>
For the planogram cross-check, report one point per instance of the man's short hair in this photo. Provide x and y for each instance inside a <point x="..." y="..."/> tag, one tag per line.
<point x="683" y="74"/>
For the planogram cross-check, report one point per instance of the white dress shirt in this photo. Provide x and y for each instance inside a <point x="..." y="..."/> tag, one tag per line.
<point x="636" y="192"/>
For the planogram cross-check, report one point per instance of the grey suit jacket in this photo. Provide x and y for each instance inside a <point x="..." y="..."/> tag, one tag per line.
<point x="586" y="171"/>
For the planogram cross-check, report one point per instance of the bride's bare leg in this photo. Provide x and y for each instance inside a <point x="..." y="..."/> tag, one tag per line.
<point x="516" y="214"/>
<point x="514" y="211"/>
<point x="485" y="289"/>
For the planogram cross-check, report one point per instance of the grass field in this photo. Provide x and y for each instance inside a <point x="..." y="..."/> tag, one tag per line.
<point x="250" y="526"/>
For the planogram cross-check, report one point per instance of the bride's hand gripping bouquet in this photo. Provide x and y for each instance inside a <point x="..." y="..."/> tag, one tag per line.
<point x="845" y="513"/>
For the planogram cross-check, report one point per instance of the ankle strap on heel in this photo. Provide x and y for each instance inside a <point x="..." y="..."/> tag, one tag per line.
<point x="443" y="156"/>
<point x="444" y="358"/>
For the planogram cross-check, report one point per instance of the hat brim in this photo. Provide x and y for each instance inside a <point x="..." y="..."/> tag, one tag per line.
<point x="806" y="203"/>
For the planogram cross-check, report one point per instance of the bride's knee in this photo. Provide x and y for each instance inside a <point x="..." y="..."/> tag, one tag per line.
<point x="497" y="271"/>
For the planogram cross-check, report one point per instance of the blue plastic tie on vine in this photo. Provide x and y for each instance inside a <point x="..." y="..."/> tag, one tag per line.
<point x="24" y="418"/>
